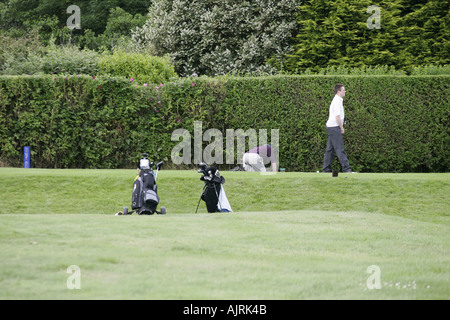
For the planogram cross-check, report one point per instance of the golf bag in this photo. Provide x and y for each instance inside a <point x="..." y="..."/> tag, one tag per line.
<point x="144" y="198"/>
<point x="213" y="192"/>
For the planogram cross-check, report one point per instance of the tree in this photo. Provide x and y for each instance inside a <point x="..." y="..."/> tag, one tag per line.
<point x="341" y="33"/>
<point x="337" y="33"/>
<point x="94" y="13"/>
<point x="426" y="26"/>
<point x="215" y="37"/>
<point x="117" y="34"/>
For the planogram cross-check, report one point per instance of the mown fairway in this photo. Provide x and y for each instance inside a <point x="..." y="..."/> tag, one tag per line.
<point x="291" y="236"/>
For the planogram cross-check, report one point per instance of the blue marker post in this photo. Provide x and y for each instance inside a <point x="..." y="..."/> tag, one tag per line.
<point x="26" y="157"/>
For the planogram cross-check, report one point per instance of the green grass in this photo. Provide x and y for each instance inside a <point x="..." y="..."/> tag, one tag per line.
<point x="291" y="236"/>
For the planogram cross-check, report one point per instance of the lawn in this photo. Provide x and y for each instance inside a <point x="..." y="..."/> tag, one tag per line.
<point x="291" y="236"/>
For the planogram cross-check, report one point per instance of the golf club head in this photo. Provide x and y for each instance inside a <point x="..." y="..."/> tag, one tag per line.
<point x="144" y="163"/>
<point x="202" y="168"/>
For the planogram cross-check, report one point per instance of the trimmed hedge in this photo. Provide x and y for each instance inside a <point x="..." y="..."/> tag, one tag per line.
<point x="394" y="123"/>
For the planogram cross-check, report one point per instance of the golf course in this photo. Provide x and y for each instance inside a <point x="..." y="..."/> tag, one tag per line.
<point x="291" y="236"/>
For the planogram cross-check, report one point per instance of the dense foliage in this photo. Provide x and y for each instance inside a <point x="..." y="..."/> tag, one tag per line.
<point x="215" y="37"/>
<point x="212" y="37"/>
<point x="139" y="67"/>
<point x="342" y="33"/>
<point x="50" y="15"/>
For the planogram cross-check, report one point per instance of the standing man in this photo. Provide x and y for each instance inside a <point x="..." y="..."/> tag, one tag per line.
<point x="335" y="130"/>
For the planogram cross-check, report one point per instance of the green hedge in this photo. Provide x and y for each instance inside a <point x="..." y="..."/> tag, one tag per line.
<point x="394" y="123"/>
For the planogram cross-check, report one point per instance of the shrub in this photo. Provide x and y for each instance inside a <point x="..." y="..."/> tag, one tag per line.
<point x="431" y="70"/>
<point x="215" y="37"/>
<point x="17" y="54"/>
<point x="70" y="60"/>
<point x="142" y="68"/>
<point x="77" y="121"/>
<point x="50" y="60"/>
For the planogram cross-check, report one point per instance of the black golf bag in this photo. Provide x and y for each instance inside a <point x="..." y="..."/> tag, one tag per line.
<point x="213" y="193"/>
<point x="144" y="198"/>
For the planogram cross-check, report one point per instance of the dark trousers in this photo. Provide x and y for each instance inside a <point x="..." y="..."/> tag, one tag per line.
<point x="335" y="145"/>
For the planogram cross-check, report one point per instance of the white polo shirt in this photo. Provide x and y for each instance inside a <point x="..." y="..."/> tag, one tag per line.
<point x="336" y="109"/>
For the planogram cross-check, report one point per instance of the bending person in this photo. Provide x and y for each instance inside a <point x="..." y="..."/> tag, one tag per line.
<point x="255" y="158"/>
